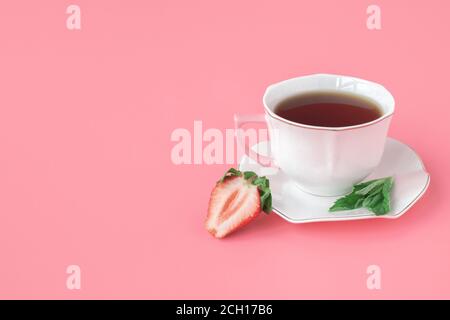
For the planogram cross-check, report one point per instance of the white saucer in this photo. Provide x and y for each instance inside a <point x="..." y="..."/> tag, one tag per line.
<point x="399" y="160"/>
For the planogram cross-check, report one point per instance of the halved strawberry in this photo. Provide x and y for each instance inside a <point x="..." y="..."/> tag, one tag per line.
<point x="236" y="199"/>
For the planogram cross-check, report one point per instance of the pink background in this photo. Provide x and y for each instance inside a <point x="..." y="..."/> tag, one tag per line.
<point x="86" y="176"/>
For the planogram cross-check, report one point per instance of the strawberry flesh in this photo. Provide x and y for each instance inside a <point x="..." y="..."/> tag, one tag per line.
<point x="234" y="203"/>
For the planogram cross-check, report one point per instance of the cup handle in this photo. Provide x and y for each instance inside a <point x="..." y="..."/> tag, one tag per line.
<point x="239" y="121"/>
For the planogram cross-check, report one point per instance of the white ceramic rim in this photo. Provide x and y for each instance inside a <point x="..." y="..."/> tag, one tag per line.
<point x="386" y="115"/>
<point x="368" y="215"/>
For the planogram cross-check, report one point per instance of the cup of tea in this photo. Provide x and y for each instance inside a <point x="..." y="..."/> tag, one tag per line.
<point x="327" y="132"/>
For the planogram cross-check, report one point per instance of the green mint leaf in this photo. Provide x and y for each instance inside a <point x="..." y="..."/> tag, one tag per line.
<point x="360" y="186"/>
<point x="348" y="202"/>
<point x="374" y="195"/>
<point x="373" y="201"/>
<point x="249" y="174"/>
<point x="386" y="191"/>
<point x="262" y="183"/>
<point x="266" y="200"/>
<point x="232" y="172"/>
<point x="359" y="203"/>
<point x="370" y="187"/>
<point x="265" y="194"/>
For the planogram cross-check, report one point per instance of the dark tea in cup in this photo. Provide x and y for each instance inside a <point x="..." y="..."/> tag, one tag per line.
<point x="328" y="109"/>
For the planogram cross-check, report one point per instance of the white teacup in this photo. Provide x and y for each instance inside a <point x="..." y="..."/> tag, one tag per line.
<point x="325" y="161"/>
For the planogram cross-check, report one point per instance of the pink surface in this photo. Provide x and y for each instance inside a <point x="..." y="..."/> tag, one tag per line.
<point x="86" y="176"/>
